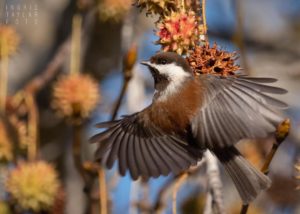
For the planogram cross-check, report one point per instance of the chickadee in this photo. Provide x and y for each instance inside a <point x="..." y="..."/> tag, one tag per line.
<point x="188" y="115"/>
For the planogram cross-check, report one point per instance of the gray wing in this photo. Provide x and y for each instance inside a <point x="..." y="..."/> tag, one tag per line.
<point x="236" y="108"/>
<point x="142" y="149"/>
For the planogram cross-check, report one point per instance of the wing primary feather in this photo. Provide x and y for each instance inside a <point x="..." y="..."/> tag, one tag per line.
<point x="173" y="163"/>
<point x="258" y="79"/>
<point x="206" y="131"/>
<point x="241" y="105"/>
<point x="102" y="135"/>
<point x="180" y="147"/>
<point x="150" y="156"/>
<point x="268" y="113"/>
<point x="153" y="133"/>
<point x="101" y="150"/>
<point x="106" y="124"/>
<point x="190" y="156"/>
<point x="141" y="163"/>
<point x="115" y="147"/>
<point x="157" y="154"/>
<point x="148" y="165"/>
<point x="261" y="87"/>
<point x="254" y="118"/>
<point x="164" y="156"/>
<point x="223" y="135"/>
<point x="259" y="103"/>
<point x="186" y="151"/>
<point x="105" y="144"/>
<point x="235" y="108"/>
<point x="227" y="130"/>
<point x="131" y="158"/>
<point x="236" y="128"/>
<point x="248" y="121"/>
<point x="202" y="128"/>
<point x="178" y="152"/>
<point x="270" y="100"/>
<point x="123" y="149"/>
<point x="212" y="124"/>
<point x="239" y="127"/>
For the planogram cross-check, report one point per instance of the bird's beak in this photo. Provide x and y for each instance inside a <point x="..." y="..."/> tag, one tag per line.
<point x="147" y="63"/>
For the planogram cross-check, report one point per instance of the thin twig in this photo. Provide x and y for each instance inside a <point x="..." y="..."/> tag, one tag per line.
<point x="32" y="127"/>
<point x="78" y="163"/>
<point x="75" y="45"/>
<point x="77" y="137"/>
<point x="119" y="100"/>
<point x="102" y="191"/>
<point x="128" y="63"/>
<point x="281" y="133"/>
<point x="204" y="17"/>
<point x="145" y="192"/>
<point x="77" y="128"/>
<point x="239" y="35"/>
<point x="38" y="82"/>
<point x="53" y="67"/>
<point x="204" y="24"/>
<point x="3" y="76"/>
<point x="160" y="203"/>
<point x="178" y="184"/>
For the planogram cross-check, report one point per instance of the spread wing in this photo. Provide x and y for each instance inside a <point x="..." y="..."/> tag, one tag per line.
<point x="236" y="108"/>
<point x="142" y="148"/>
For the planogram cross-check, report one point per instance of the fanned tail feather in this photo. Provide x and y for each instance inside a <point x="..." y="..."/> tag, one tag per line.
<point x="247" y="179"/>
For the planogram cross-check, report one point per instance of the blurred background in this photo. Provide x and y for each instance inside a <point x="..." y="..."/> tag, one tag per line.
<point x="265" y="32"/>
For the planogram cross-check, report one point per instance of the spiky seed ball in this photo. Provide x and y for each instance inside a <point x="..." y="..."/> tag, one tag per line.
<point x="211" y="60"/>
<point x="75" y="96"/>
<point x="5" y="144"/>
<point x="33" y="185"/>
<point x="113" y="9"/>
<point x="160" y="7"/>
<point x="9" y="40"/>
<point x="178" y="32"/>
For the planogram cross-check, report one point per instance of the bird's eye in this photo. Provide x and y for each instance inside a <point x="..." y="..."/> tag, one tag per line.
<point x="162" y="61"/>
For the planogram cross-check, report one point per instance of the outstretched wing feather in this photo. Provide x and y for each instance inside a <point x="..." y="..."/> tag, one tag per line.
<point x="235" y="108"/>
